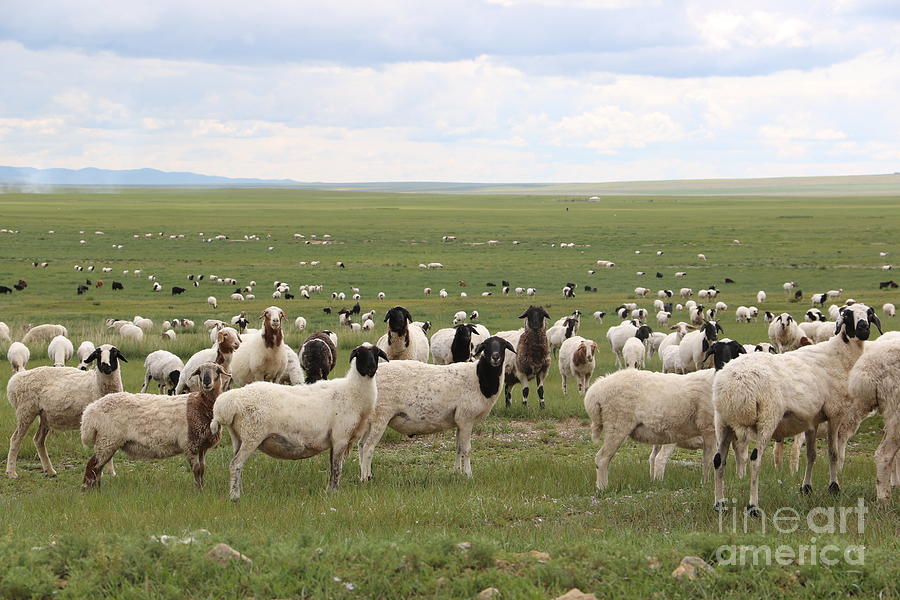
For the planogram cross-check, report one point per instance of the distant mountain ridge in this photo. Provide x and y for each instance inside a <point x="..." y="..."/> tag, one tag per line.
<point x="93" y="176"/>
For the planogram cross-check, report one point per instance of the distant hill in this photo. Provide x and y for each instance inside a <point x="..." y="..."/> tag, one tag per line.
<point x="137" y="177"/>
<point x="849" y="185"/>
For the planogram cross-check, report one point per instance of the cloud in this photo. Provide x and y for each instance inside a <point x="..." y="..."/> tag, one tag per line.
<point x="511" y="90"/>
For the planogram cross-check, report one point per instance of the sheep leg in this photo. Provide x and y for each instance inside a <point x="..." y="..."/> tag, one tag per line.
<point x="763" y="435"/>
<point x="523" y="379"/>
<point x="464" y="448"/>
<point x="198" y="467"/>
<point x="110" y="468"/>
<point x="709" y="450"/>
<point x="741" y="456"/>
<point x="565" y="388"/>
<point x="895" y="477"/>
<point x="796" y="447"/>
<point x="539" y="378"/>
<point x="367" y="444"/>
<point x="40" y="438"/>
<point x="244" y="451"/>
<point x="94" y="468"/>
<point x="147" y="379"/>
<point x="659" y="458"/>
<point x="724" y="435"/>
<point x="23" y="422"/>
<point x="885" y="456"/>
<point x="235" y="441"/>
<point x="779" y="453"/>
<point x="611" y="441"/>
<point x="337" y="463"/>
<point x="835" y="456"/>
<point x="810" y="458"/>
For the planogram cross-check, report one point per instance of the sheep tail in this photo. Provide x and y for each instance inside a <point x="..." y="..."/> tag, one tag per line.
<point x="88" y="433"/>
<point x="223" y="414"/>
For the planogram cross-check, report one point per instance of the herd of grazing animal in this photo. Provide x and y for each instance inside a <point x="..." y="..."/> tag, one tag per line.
<point x="811" y="377"/>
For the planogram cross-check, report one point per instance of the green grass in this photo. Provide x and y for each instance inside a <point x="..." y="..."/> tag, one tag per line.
<point x="397" y="536"/>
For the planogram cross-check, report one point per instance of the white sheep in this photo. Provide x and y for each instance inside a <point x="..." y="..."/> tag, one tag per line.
<point x="60" y="350"/>
<point x="293" y="422"/>
<point x="633" y="353"/>
<point x="453" y="344"/>
<point x="416" y="398"/>
<point x="131" y="331"/>
<point x="261" y="357"/>
<point x="765" y="396"/>
<point x="560" y="332"/>
<point x="4" y="332"/>
<point x="152" y="426"/>
<point x="742" y="314"/>
<point x="618" y="334"/>
<point x="874" y="384"/>
<point x="459" y="317"/>
<point x="226" y="341"/>
<point x="43" y="333"/>
<point x="576" y="359"/>
<point x="694" y="345"/>
<point x="58" y="396"/>
<point x="662" y="318"/>
<point x="168" y="334"/>
<point x="889" y="310"/>
<point x="85" y="349"/>
<point x="300" y="323"/>
<point x="404" y="340"/>
<point x="761" y="297"/>
<point x="651" y="408"/>
<point x="212" y="302"/>
<point x="18" y="356"/>
<point x="163" y="367"/>
<point x="784" y="333"/>
<point x="145" y="324"/>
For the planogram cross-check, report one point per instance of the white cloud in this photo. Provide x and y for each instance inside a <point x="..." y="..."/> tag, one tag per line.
<point x="609" y="128"/>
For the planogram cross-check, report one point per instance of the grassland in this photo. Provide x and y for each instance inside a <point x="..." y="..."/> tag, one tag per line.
<point x="398" y="536"/>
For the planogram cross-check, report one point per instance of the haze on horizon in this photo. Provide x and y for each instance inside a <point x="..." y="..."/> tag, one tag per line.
<point x="473" y="90"/>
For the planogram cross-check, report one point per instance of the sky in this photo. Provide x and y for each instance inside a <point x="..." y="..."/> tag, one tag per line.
<point x="467" y="90"/>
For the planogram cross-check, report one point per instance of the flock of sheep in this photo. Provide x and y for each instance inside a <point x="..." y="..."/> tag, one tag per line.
<point x="813" y="377"/>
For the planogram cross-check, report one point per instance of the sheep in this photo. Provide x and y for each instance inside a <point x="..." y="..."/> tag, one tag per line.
<point x="651" y="408"/>
<point x="889" y="310"/>
<point x="761" y="297"/>
<point x="662" y="318"/>
<point x="60" y="350"/>
<point x="300" y="323"/>
<point x="452" y="345"/>
<point x="598" y="315"/>
<point x="318" y="356"/>
<point x="261" y="357"/>
<point x="4" y="332"/>
<point x="18" y="355"/>
<point x="873" y="384"/>
<point x="416" y="398"/>
<point x="695" y="344"/>
<point x="633" y="353"/>
<point x="43" y="333"/>
<point x="781" y="395"/>
<point x="131" y="332"/>
<point x="533" y="352"/>
<point x="761" y="347"/>
<point x="618" y="334"/>
<point x="459" y="317"/>
<point x="403" y="341"/>
<point x="84" y="350"/>
<point x="784" y="333"/>
<point x="559" y="333"/>
<point x="163" y="367"/>
<point x="641" y="292"/>
<point x="226" y="342"/>
<point x="58" y="396"/>
<point x="653" y="343"/>
<point x="294" y="422"/>
<point x="742" y="314"/>
<point x="151" y="426"/>
<point x="145" y="324"/>
<point x="576" y="359"/>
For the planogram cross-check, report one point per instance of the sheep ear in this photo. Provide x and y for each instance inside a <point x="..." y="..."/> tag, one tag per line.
<point x="478" y="349"/>
<point x="196" y="372"/>
<point x="873" y="318"/>
<point x="380" y="354"/>
<point x="709" y="350"/>
<point x="283" y="316"/>
<point x="523" y="315"/>
<point x="691" y="327"/>
<point x="719" y="328"/>
<point x="741" y="349"/>
<point x="354" y="354"/>
<point x="546" y="315"/>
<point x="262" y="315"/>
<point x="706" y="347"/>
<point x="387" y="316"/>
<point x="120" y="356"/>
<point x="94" y="356"/>
<point x="673" y="327"/>
<point x="509" y="346"/>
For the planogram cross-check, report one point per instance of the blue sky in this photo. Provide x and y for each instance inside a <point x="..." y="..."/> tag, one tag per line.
<point x="473" y="90"/>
